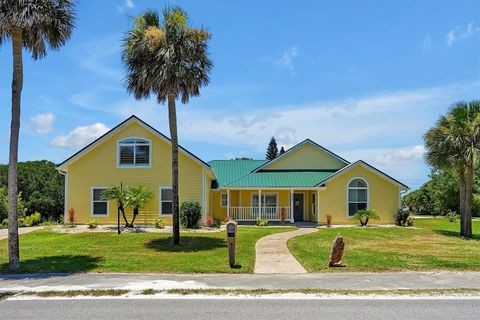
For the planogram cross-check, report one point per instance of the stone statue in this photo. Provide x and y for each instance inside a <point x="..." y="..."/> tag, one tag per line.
<point x="337" y="252"/>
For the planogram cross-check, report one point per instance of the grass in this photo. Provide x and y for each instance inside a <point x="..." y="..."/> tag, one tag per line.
<point x="47" y="251"/>
<point x="433" y="244"/>
<point x="255" y="292"/>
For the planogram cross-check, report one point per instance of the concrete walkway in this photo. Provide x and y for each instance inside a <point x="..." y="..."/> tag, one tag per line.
<point x="339" y="281"/>
<point x="4" y="232"/>
<point x="273" y="256"/>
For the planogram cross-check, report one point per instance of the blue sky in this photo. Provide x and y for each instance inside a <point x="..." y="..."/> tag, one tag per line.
<point x="365" y="79"/>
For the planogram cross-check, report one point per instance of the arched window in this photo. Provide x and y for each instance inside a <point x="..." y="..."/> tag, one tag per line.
<point x="134" y="152"/>
<point x="357" y="195"/>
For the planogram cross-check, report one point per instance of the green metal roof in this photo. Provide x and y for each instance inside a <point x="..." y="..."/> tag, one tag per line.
<point x="238" y="173"/>
<point x="228" y="171"/>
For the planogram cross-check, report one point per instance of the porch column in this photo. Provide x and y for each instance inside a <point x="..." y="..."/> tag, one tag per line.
<point x="317" y="205"/>
<point x="228" y="203"/>
<point x="292" y="220"/>
<point x="259" y="203"/>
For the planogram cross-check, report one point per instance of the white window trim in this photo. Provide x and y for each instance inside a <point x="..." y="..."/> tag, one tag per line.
<point x="160" y="213"/>
<point x="91" y="203"/>
<point x="357" y="188"/>
<point x="264" y="194"/>
<point x="221" y="200"/>
<point x="119" y="144"/>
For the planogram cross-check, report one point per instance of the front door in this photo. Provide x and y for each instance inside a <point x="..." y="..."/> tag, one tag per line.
<point x="298" y="206"/>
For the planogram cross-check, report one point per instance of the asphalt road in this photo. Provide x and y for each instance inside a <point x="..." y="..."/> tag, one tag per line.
<point x="357" y="309"/>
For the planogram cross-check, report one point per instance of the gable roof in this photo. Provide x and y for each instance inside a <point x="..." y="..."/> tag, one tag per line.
<point x="296" y="147"/>
<point x="369" y="167"/>
<point x="121" y="125"/>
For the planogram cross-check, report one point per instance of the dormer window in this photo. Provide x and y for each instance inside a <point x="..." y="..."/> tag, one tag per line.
<point x="134" y="152"/>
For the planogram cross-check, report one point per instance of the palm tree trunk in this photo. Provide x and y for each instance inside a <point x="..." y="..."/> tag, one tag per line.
<point x="462" y="184"/>
<point x="468" y="199"/>
<point x="135" y="214"/>
<point x="172" y="119"/>
<point x="17" y="83"/>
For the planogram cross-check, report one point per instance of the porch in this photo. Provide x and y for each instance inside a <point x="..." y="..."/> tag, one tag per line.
<point x="289" y="205"/>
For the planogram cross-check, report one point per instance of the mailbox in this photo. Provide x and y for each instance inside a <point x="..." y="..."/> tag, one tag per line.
<point x="231" y="235"/>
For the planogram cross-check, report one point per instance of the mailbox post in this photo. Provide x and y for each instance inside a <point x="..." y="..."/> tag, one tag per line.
<point x="231" y="236"/>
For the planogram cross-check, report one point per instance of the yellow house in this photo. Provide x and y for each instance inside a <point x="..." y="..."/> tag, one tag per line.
<point x="306" y="183"/>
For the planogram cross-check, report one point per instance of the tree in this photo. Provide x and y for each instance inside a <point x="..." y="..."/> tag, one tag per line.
<point x="242" y="158"/>
<point x="136" y="198"/>
<point x="118" y="194"/>
<point x="364" y="215"/>
<point x="454" y="142"/>
<point x="167" y="59"/>
<point x="272" y="149"/>
<point x="33" y="25"/>
<point x="282" y="151"/>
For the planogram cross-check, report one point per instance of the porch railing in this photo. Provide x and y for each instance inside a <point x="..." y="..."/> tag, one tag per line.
<point x="266" y="213"/>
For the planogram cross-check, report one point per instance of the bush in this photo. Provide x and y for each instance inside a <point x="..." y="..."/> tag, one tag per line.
<point x="410" y="221"/>
<point x="30" y="221"/>
<point x="401" y="217"/>
<point x="261" y="222"/>
<point x="4" y="224"/>
<point x="364" y="215"/>
<point x="209" y="221"/>
<point x="213" y="222"/>
<point x="159" y="224"/>
<point x="190" y="213"/>
<point x="452" y="216"/>
<point x="92" y="223"/>
<point x="329" y="220"/>
<point x="226" y="219"/>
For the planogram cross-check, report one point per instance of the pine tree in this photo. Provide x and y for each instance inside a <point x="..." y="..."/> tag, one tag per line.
<point x="282" y="151"/>
<point x="272" y="150"/>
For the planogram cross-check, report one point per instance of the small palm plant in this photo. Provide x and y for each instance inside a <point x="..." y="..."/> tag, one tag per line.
<point x="136" y="198"/>
<point x="364" y="215"/>
<point x="118" y="194"/>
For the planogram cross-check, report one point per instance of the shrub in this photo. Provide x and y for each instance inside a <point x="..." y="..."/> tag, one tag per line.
<point x="92" y="223"/>
<point x="71" y="215"/>
<point x="261" y="222"/>
<point x="226" y="219"/>
<point x="401" y="217"/>
<point x="410" y="221"/>
<point x="452" y="216"/>
<point x="4" y="224"/>
<point x="217" y="222"/>
<point x="329" y="220"/>
<point x="30" y="221"/>
<point x="364" y="215"/>
<point x="190" y="213"/>
<point x="209" y="221"/>
<point x="159" y="224"/>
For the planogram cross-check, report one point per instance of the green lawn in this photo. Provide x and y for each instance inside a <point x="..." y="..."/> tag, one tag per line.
<point x="47" y="251"/>
<point x="433" y="245"/>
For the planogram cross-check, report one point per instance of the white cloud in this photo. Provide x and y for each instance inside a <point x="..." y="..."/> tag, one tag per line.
<point x="461" y="33"/>
<point x="400" y="156"/>
<point x="42" y="123"/>
<point x="127" y="5"/>
<point x="427" y="42"/>
<point x="80" y="136"/>
<point x="286" y="60"/>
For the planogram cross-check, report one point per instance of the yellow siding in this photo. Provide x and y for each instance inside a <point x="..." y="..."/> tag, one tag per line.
<point x="99" y="168"/>
<point x="307" y="157"/>
<point x="384" y="197"/>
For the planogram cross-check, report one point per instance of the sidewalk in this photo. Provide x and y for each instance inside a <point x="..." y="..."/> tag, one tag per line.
<point x="341" y="281"/>
<point x="23" y="230"/>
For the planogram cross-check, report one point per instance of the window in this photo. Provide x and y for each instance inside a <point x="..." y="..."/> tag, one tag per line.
<point x="268" y="200"/>
<point x="166" y="200"/>
<point x="357" y="196"/>
<point x="223" y="200"/>
<point x="314" y="205"/>
<point x="134" y="152"/>
<point x="99" y="205"/>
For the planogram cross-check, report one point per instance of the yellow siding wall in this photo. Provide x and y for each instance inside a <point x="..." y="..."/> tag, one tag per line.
<point x="99" y="168"/>
<point x="384" y="197"/>
<point x="307" y="157"/>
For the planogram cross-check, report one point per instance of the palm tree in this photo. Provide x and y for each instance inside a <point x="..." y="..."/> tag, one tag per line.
<point x="32" y="25"/>
<point x="168" y="59"/>
<point x="118" y="194"/>
<point x="455" y="142"/>
<point x="136" y="198"/>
